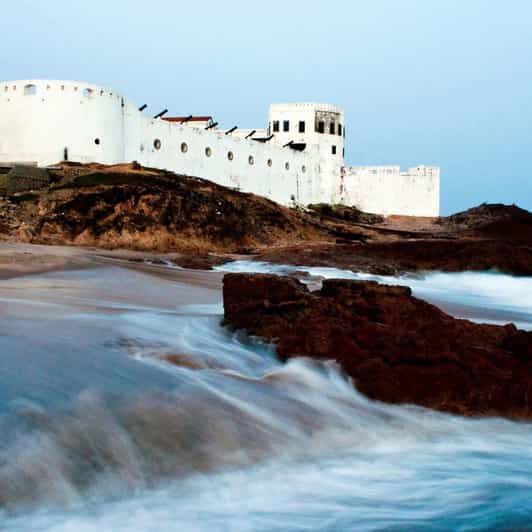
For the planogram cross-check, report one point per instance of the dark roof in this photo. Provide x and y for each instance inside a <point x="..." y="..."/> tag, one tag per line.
<point x="187" y="118"/>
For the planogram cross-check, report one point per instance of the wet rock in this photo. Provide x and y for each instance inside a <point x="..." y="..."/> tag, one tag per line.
<point x="401" y="256"/>
<point x="397" y="348"/>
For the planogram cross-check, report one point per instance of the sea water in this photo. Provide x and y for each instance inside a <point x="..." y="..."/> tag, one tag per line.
<point x="98" y="432"/>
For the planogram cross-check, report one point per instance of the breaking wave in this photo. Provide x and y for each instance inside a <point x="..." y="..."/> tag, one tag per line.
<point x="483" y="296"/>
<point x="232" y="439"/>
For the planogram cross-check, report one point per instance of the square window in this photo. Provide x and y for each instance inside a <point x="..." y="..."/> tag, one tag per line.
<point x="286" y="125"/>
<point x="302" y="126"/>
<point x="275" y="126"/>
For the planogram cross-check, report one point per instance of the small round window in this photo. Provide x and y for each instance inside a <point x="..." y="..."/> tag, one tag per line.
<point x="208" y="151"/>
<point x="251" y="159"/>
<point x="303" y="168"/>
<point x="97" y="142"/>
<point x="184" y="147"/>
<point x="270" y="162"/>
<point x="287" y="166"/>
<point x="230" y="155"/>
<point x="157" y="144"/>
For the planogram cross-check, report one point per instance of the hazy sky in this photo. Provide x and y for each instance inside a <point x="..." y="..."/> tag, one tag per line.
<point x="439" y="82"/>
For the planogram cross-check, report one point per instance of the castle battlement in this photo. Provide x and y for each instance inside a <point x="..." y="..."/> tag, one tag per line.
<point x="297" y="158"/>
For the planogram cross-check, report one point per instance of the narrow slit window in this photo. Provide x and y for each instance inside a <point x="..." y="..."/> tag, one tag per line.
<point x="333" y="150"/>
<point x="302" y="126"/>
<point x="276" y="126"/>
<point x="331" y="128"/>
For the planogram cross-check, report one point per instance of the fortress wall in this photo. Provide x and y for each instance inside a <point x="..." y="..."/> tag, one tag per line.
<point x="206" y="154"/>
<point x="99" y="125"/>
<point x="39" y="119"/>
<point x="385" y="190"/>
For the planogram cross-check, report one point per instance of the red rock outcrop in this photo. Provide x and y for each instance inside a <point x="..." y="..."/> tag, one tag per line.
<point x="400" y="256"/>
<point x="397" y="348"/>
<point x="490" y="236"/>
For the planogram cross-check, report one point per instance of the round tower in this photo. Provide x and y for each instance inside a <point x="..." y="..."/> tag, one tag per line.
<point x="45" y="122"/>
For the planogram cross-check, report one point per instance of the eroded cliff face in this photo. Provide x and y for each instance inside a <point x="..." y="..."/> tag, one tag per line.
<point x="131" y="207"/>
<point x="135" y="208"/>
<point x="486" y="237"/>
<point x="397" y="348"/>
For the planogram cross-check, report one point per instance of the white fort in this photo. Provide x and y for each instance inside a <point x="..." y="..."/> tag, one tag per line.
<point x="298" y="159"/>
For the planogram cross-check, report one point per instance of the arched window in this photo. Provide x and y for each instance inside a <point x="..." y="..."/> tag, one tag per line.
<point x="208" y="151"/>
<point x="184" y="147"/>
<point x="157" y="144"/>
<point x="287" y="166"/>
<point x="251" y="159"/>
<point x="230" y="155"/>
<point x="30" y="90"/>
<point x="270" y="162"/>
<point x="303" y="168"/>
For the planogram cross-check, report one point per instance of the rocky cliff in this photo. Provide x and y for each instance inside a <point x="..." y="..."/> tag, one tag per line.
<point x="397" y="348"/>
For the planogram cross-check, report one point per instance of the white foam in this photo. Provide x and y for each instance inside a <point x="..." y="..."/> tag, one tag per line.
<point x="482" y="290"/>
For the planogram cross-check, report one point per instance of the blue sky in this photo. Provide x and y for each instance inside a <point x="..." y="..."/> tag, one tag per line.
<point x="441" y="82"/>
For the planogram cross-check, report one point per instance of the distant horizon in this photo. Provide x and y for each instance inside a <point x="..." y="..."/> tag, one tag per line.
<point x="442" y="85"/>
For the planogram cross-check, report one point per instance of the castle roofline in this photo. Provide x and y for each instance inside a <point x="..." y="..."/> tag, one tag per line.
<point x="308" y="106"/>
<point x="58" y="82"/>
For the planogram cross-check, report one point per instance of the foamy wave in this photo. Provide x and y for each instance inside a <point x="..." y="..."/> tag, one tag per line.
<point x="507" y="295"/>
<point x="298" y="448"/>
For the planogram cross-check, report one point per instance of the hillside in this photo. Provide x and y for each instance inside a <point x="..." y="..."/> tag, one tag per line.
<point x="135" y="208"/>
<point x="131" y="207"/>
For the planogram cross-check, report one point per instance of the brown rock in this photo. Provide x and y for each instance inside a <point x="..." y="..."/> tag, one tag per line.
<point x="397" y="348"/>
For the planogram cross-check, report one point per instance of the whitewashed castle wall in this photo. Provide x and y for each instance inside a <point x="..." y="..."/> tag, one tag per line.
<point x="38" y="127"/>
<point x="386" y="190"/>
<point x="41" y="119"/>
<point x="282" y="175"/>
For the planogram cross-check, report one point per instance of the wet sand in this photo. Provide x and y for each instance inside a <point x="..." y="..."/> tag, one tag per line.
<point x="18" y="259"/>
<point x="25" y="259"/>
